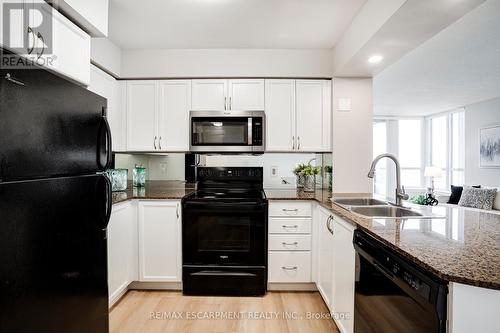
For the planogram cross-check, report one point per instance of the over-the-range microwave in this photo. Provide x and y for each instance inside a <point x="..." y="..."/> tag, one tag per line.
<point x="227" y="131"/>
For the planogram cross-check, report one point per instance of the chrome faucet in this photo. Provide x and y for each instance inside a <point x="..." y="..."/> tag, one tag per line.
<point x="400" y="190"/>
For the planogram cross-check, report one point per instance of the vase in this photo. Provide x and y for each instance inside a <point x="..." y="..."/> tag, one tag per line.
<point x="118" y="178"/>
<point x="300" y="181"/>
<point x="139" y="176"/>
<point x="309" y="183"/>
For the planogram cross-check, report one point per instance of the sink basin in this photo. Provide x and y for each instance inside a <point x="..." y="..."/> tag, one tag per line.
<point x="359" y="202"/>
<point x="387" y="212"/>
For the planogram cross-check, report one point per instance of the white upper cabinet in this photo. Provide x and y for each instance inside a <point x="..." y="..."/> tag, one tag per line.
<point x="91" y="15"/>
<point x="218" y="95"/>
<point x="160" y="241"/>
<point x="246" y="95"/>
<point x="105" y="85"/>
<point x="142" y="115"/>
<point x="209" y="95"/>
<point x="313" y="115"/>
<point x="174" y="106"/>
<point x="280" y="115"/>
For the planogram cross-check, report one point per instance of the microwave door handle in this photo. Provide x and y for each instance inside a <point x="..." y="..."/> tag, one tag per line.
<point x="250" y="132"/>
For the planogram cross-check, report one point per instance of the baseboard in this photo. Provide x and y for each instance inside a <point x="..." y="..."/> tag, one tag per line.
<point x="138" y="285"/>
<point x="276" y="286"/>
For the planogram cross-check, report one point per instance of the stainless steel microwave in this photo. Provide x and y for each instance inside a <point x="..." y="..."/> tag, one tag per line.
<point x="227" y="131"/>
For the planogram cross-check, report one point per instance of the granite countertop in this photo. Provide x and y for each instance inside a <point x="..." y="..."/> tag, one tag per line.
<point x="463" y="247"/>
<point x="155" y="189"/>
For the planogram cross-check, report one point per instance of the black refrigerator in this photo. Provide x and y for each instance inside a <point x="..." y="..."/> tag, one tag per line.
<point x="55" y="203"/>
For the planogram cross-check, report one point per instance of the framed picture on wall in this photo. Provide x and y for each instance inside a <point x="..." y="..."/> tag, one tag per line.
<point x="489" y="141"/>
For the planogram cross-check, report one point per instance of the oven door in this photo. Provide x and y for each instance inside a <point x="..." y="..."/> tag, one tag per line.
<point x="224" y="233"/>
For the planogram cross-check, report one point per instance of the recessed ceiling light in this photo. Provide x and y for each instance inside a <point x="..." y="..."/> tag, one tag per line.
<point x="375" y="59"/>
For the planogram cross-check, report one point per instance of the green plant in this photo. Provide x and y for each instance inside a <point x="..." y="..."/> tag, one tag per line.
<point x="328" y="169"/>
<point x="310" y="170"/>
<point x="298" y="169"/>
<point x="418" y="199"/>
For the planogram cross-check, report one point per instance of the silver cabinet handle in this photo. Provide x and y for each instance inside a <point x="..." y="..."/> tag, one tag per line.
<point x="177" y="210"/>
<point x="291" y="244"/>
<point x="289" y="268"/>
<point x="9" y="78"/>
<point x="154" y="143"/>
<point x="225" y="103"/>
<point x="328" y="220"/>
<point x="28" y="32"/>
<point x="293" y="142"/>
<point x="39" y="35"/>
<point x="230" y="103"/>
<point x="298" y="143"/>
<point x="290" y="210"/>
<point x="159" y="143"/>
<point x="290" y="226"/>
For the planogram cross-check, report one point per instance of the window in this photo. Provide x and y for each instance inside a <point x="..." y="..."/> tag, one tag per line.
<point x="410" y="151"/>
<point x="447" y="149"/>
<point x="380" y="147"/>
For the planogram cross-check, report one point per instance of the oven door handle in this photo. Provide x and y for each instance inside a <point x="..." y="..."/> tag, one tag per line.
<point x="250" y="132"/>
<point x="222" y="273"/>
<point x="224" y="204"/>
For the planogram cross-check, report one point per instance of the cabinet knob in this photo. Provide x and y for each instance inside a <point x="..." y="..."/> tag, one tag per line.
<point x="154" y="143"/>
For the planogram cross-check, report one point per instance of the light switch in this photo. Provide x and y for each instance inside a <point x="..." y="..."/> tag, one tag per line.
<point x="344" y="104"/>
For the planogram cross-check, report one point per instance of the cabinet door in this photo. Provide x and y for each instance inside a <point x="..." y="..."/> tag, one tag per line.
<point x="160" y="241"/>
<point x="174" y="106"/>
<point x="70" y="54"/>
<point x="344" y="271"/>
<point x="142" y="120"/>
<point x="325" y="258"/>
<point x="209" y="95"/>
<point x="313" y="115"/>
<point x="122" y="255"/>
<point x="280" y="115"/>
<point x="246" y="95"/>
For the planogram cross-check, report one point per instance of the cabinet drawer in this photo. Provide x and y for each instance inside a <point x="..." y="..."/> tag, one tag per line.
<point x="290" y="208"/>
<point x="289" y="242"/>
<point x="290" y="266"/>
<point x="289" y="225"/>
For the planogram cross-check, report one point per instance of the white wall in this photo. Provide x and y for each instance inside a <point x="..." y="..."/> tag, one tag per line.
<point x="106" y="54"/>
<point x="477" y="116"/>
<point x="226" y="63"/>
<point x="352" y="135"/>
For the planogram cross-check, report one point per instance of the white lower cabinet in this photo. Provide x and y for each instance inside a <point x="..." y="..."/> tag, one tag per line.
<point x="289" y="242"/>
<point x="122" y="249"/>
<point x="336" y="267"/>
<point x="160" y="258"/>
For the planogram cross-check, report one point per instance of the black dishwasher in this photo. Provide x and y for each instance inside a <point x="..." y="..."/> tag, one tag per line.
<point x="392" y="294"/>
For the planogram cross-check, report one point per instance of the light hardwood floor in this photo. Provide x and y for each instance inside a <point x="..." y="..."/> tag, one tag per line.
<point x="148" y="311"/>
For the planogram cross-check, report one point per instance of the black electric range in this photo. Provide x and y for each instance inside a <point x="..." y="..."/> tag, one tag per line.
<point x="224" y="233"/>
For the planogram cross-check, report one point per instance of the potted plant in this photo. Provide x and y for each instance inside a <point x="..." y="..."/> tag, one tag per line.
<point x="297" y="172"/>
<point x="329" y="171"/>
<point x="309" y="173"/>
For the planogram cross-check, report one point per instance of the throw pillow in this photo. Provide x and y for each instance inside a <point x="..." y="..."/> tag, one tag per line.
<point x="456" y="193"/>
<point x="478" y="198"/>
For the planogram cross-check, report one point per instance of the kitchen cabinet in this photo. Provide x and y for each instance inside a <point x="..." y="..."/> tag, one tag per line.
<point x="106" y="86"/>
<point x="313" y="115"/>
<point x="174" y="105"/>
<point x="60" y="46"/>
<point x="158" y="115"/>
<point x="122" y="249"/>
<point x="280" y="115"/>
<point x="90" y="15"/>
<point x="298" y="115"/>
<point x="142" y="115"/>
<point x="221" y="94"/>
<point x="342" y="301"/>
<point x="160" y="241"/>
<point x="325" y="257"/>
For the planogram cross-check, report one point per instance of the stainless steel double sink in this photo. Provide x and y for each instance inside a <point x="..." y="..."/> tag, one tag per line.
<point x="378" y="209"/>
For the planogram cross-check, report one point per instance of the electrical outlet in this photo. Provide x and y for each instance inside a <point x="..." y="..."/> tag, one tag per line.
<point x="274" y="171"/>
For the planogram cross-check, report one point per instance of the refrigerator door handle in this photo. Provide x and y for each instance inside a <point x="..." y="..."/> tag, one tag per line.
<point x="109" y="200"/>
<point x="108" y="146"/>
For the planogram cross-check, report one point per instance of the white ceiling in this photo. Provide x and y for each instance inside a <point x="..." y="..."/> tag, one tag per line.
<point x="178" y="24"/>
<point x="455" y="68"/>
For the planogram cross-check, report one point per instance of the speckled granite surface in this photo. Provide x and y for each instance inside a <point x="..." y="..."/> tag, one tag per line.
<point x="155" y="189"/>
<point x="463" y="247"/>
